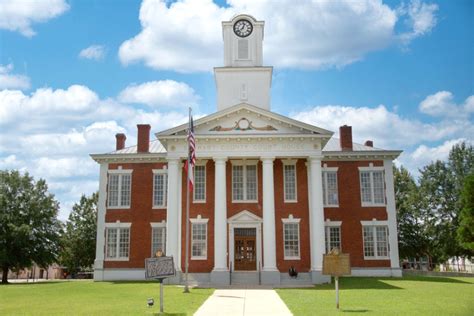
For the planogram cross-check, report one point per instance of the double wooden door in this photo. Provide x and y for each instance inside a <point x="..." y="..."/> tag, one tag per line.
<point x="245" y="249"/>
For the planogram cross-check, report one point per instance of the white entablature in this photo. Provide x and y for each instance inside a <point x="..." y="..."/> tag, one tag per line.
<point x="246" y="131"/>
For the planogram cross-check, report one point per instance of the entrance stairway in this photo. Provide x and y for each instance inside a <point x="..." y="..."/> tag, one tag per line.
<point x="244" y="278"/>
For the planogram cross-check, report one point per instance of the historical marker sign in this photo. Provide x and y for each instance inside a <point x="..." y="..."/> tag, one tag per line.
<point x="337" y="264"/>
<point x="159" y="268"/>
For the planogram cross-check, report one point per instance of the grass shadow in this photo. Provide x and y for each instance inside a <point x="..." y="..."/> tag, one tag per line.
<point x="169" y="314"/>
<point x="424" y="278"/>
<point x="33" y="283"/>
<point x="355" y="283"/>
<point x="355" y="310"/>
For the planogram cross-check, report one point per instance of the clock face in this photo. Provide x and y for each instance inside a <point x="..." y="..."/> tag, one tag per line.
<point x="243" y="28"/>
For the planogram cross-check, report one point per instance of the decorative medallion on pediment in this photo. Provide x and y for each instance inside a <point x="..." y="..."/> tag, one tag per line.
<point x="243" y="125"/>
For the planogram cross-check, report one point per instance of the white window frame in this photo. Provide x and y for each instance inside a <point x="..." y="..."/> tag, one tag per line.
<point x="161" y="225"/>
<point x="163" y="172"/>
<point x="291" y="220"/>
<point x="117" y="226"/>
<point x="325" y="170"/>
<point x="244" y="163"/>
<point x="371" y="169"/>
<point x="201" y="163"/>
<point x="374" y="224"/>
<point x="120" y="172"/>
<point x="327" y="233"/>
<point x="202" y="221"/>
<point x="290" y="162"/>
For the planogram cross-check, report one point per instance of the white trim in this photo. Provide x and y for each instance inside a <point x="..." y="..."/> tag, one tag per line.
<point x="329" y="169"/>
<point x="371" y="168"/>
<point x="101" y="210"/>
<point x="118" y="224"/>
<point x="201" y="162"/>
<point x="329" y="223"/>
<point x="391" y="215"/>
<point x="243" y="162"/>
<point x="160" y="171"/>
<point x="374" y="222"/>
<point x="199" y="220"/>
<point x="290" y="219"/>
<point x="158" y="224"/>
<point x="290" y="162"/>
<point x="120" y="171"/>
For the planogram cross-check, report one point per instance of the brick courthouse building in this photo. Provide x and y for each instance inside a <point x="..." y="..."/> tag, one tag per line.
<point x="270" y="192"/>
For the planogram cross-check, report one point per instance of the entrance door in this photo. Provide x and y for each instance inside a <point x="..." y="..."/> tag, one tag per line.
<point x="245" y="249"/>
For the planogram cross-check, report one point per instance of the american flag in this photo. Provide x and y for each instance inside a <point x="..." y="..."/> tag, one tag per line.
<point x="192" y="154"/>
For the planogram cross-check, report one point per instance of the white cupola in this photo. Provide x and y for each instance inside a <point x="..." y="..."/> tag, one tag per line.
<point x="243" y="79"/>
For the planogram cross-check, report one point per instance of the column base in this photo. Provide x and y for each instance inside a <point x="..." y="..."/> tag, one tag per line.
<point x="175" y="279"/>
<point x="270" y="277"/>
<point x="317" y="277"/>
<point x="397" y="272"/>
<point x="220" y="277"/>
<point x="98" y="274"/>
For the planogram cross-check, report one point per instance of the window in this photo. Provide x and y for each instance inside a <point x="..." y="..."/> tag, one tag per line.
<point x="289" y="181"/>
<point x="117" y="243"/>
<point x="244" y="182"/>
<point x="333" y="238"/>
<point x="199" y="238"/>
<point x="330" y="194"/>
<point x="160" y="188"/>
<point x="375" y="242"/>
<point x="291" y="238"/>
<point x="119" y="189"/>
<point x="158" y="239"/>
<point x="372" y="190"/>
<point x="199" y="183"/>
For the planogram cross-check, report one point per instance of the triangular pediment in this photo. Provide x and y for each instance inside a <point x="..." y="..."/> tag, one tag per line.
<point x="245" y="120"/>
<point x="244" y="217"/>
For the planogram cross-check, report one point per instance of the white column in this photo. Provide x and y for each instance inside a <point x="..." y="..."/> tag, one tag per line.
<point x="101" y="209"/>
<point x="391" y="214"/>
<point x="316" y="213"/>
<point x="220" y="216"/>
<point x="172" y="211"/>
<point x="269" y="252"/>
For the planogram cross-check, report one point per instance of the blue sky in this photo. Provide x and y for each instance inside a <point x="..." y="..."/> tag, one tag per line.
<point x="74" y="73"/>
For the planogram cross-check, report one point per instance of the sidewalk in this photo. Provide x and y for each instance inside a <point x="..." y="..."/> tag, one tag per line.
<point x="243" y="302"/>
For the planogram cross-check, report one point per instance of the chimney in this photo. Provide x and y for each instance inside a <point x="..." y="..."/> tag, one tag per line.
<point x="345" y="134"/>
<point x="120" y="141"/>
<point x="369" y="143"/>
<point x="143" y="138"/>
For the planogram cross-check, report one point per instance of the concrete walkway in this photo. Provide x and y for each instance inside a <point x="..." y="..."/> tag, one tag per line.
<point x="243" y="302"/>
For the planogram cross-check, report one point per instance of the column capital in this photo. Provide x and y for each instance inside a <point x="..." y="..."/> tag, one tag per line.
<point x="316" y="158"/>
<point x="219" y="159"/>
<point x="173" y="160"/>
<point x="267" y="159"/>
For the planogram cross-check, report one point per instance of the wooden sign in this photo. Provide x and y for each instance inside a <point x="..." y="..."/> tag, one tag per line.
<point x="159" y="268"/>
<point x="336" y="264"/>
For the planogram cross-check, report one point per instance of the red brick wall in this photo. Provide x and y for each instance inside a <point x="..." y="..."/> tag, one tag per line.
<point x="140" y="214"/>
<point x="206" y="210"/>
<point x="298" y="210"/>
<point x="350" y="211"/>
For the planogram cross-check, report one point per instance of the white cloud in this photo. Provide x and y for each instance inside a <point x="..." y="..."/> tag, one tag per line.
<point x="421" y="18"/>
<point x="12" y="81"/>
<point x="442" y="104"/>
<point x="163" y="93"/>
<point x="93" y="52"/>
<point x="19" y="15"/>
<point x="186" y="35"/>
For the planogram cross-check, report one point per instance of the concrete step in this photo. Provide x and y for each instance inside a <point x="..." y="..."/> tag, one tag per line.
<point x="244" y="278"/>
<point x="302" y="279"/>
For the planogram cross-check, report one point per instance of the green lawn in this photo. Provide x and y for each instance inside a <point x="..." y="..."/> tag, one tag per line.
<point x="385" y="296"/>
<point x="100" y="298"/>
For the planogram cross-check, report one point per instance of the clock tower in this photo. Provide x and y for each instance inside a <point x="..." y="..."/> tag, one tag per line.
<point x="243" y="79"/>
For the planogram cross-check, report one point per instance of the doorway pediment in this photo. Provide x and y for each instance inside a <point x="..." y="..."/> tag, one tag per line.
<point x="244" y="217"/>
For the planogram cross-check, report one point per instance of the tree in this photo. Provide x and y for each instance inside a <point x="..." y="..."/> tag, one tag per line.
<point x="466" y="218"/>
<point x="79" y="239"/>
<point x="412" y="238"/>
<point x="29" y="228"/>
<point x="440" y="185"/>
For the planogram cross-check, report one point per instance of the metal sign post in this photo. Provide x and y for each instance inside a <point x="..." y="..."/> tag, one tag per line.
<point x="159" y="269"/>
<point x="336" y="264"/>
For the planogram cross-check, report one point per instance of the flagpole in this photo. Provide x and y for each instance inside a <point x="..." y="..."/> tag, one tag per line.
<point x="186" y="285"/>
